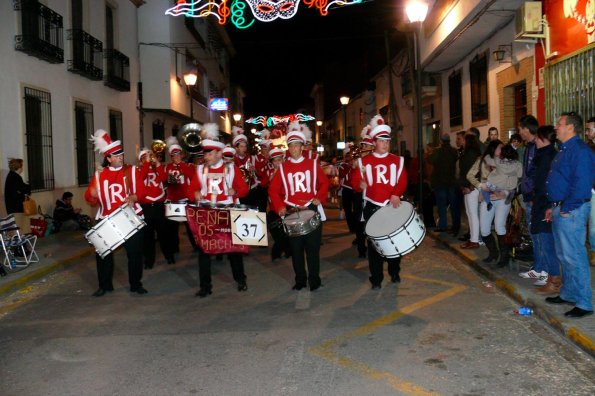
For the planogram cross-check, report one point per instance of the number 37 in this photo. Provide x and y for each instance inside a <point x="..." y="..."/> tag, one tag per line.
<point x="246" y="230"/>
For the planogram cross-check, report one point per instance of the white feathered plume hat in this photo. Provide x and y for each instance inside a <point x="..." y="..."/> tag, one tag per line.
<point x="211" y="137"/>
<point x="265" y="142"/>
<point x="294" y="133"/>
<point x="104" y="145"/>
<point x="173" y="146"/>
<point x="307" y="132"/>
<point x="365" y="135"/>
<point x="379" y="129"/>
<point x="238" y="136"/>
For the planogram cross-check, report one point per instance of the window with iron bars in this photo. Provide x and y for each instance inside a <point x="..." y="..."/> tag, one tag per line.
<point x="115" y="126"/>
<point x="478" y="75"/>
<point x="83" y="116"/>
<point x="38" y="135"/>
<point x="41" y="31"/>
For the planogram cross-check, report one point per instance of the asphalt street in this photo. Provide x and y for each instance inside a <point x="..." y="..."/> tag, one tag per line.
<point x="442" y="330"/>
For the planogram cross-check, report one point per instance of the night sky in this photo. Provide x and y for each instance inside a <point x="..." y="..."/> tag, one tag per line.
<point x="277" y="63"/>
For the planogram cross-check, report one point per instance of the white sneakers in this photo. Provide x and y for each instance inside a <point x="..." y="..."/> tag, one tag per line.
<point x="540" y="277"/>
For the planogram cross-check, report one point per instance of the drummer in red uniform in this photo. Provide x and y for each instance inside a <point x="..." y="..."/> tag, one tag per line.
<point x="384" y="180"/>
<point x="178" y="175"/>
<point x="344" y="170"/>
<point x="110" y="188"/>
<point x="216" y="182"/>
<point x="152" y="174"/>
<point x="300" y="183"/>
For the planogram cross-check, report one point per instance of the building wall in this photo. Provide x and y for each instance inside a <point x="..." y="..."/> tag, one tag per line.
<point x="521" y="51"/>
<point x="20" y="70"/>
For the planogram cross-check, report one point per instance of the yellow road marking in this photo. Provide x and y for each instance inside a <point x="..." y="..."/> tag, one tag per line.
<point x="325" y="351"/>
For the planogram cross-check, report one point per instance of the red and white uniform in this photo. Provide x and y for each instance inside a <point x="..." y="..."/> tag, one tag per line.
<point x="265" y="175"/>
<point x="297" y="183"/>
<point x="183" y="173"/>
<point x="260" y="163"/>
<point x="384" y="174"/>
<point x="247" y="162"/>
<point x="154" y="183"/>
<point x="345" y="175"/>
<point x="112" y="186"/>
<point x="214" y="182"/>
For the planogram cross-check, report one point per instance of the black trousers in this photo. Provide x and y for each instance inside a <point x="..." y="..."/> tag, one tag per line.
<point x="347" y="198"/>
<point x="257" y="197"/>
<point x="280" y="238"/>
<point x="360" y="234"/>
<point x="155" y="219"/>
<point x="310" y="245"/>
<point x="204" y="268"/>
<point x="105" y="267"/>
<point x="375" y="260"/>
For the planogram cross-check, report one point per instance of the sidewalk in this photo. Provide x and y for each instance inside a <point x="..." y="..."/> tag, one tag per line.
<point x="580" y="331"/>
<point x="55" y="252"/>
<point x="61" y="250"/>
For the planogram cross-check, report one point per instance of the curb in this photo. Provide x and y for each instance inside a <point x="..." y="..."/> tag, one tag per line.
<point x="573" y="334"/>
<point x="39" y="273"/>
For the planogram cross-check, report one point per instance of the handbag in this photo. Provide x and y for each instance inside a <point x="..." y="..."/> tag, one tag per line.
<point x="29" y="206"/>
<point x="39" y="226"/>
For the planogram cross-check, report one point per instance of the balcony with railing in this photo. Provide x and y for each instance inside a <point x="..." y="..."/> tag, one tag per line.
<point x="86" y="55"/>
<point x="41" y="31"/>
<point x="117" y="72"/>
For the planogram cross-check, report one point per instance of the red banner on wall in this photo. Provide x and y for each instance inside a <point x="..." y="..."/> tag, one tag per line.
<point x="211" y="229"/>
<point x="572" y="24"/>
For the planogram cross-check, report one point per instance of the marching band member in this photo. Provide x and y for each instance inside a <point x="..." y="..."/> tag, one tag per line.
<point x="110" y="188"/>
<point x="309" y="151"/>
<point x="228" y="154"/>
<point x="281" y="241"/>
<point x="178" y="175"/>
<point x="152" y="174"/>
<point x="300" y="183"/>
<point x="383" y="180"/>
<point x="344" y="171"/>
<point x="247" y="164"/>
<point x="216" y="182"/>
<point x="360" y="236"/>
<point x="261" y="164"/>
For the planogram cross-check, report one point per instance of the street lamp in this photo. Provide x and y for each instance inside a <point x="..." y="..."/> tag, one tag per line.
<point x="344" y="101"/>
<point x="416" y="12"/>
<point x="190" y="80"/>
<point x="237" y="117"/>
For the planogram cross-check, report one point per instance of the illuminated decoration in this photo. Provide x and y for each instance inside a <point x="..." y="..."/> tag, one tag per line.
<point x="274" y="120"/>
<point x="262" y="10"/>
<point x="218" y="104"/>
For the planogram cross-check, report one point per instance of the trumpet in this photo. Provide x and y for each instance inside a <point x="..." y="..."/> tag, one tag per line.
<point x="359" y="152"/>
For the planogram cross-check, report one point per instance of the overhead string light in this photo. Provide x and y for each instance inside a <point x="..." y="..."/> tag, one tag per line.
<point x="262" y="10"/>
<point x="274" y="120"/>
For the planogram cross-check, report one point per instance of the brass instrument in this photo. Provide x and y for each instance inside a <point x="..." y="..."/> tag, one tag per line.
<point x="157" y="149"/>
<point x="189" y="138"/>
<point x="358" y="151"/>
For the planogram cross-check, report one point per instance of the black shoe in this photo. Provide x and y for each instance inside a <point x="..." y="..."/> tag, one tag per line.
<point x="242" y="286"/>
<point x="438" y="230"/>
<point x="170" y="259"/>
<point x="275" y="255"/>
<point x="98" y="293"/>
<point x="577" y="312"/>
<point x="109" y="289"/>
<point x="395" y="279"/>
<point x="2" y="271"/>
<point x="557" y="300"/>
<point x="203" y="292"/>
<point x="139" y="290"/>
<point x="376" y="286"/>
<point x="298" y="286"/>
<point x="354" y="242"/>
<point x="315" y="285"/>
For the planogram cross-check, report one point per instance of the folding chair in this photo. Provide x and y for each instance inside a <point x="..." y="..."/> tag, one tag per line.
<point x="19" y="250"/>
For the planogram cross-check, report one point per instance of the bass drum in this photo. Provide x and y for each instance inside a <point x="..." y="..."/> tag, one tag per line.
<point x="395" y="232"/>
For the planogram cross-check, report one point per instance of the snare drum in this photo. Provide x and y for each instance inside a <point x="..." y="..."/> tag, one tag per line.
<point x="301" y="223"/>
<point x="175" y="210"/>
<point x="395" y="232"/>
<point x="114" y="230"/>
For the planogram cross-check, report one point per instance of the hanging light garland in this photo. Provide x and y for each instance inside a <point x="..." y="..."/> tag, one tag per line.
<point x="274" y="120"/>
<point x="262" y="10"/>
